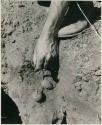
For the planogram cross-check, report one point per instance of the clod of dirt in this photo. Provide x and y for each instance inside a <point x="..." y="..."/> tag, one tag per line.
<point x="48" y="83"/>
<point x="38" y="95"/>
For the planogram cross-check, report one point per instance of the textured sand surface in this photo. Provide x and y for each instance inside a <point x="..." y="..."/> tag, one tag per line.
<point x="76" y="98"/>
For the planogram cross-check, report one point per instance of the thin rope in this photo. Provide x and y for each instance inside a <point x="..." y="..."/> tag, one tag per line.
<point x="93" y="27"/>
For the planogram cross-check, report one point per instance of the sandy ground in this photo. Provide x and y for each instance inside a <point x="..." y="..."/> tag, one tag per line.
<point x="76" y="98"/>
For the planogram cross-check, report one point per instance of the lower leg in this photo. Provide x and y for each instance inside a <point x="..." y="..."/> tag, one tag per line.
<point x="46" y="50"/>
<point x="46" y="47"/>
<point x="55" y="16"/>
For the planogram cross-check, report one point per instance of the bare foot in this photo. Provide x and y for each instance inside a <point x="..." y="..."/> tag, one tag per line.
<point x="46" y="51"/>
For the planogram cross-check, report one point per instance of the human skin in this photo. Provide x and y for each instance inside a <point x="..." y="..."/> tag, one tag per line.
<point x="46" y="48"/>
